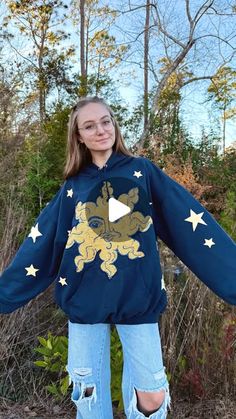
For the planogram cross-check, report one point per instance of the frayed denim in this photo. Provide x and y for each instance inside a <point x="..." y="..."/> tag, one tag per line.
<point x="89" y="369"/>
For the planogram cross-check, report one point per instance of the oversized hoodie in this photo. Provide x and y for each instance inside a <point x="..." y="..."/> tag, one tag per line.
<point x="109" y="271"/>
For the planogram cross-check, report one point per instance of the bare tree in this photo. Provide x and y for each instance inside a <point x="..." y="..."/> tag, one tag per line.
<point x="183" y="32"/>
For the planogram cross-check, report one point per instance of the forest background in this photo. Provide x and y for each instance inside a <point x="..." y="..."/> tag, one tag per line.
<point x="168" y="70"/>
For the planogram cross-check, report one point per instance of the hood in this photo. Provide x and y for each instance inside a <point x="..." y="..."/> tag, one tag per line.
<point x="115" y="159"/>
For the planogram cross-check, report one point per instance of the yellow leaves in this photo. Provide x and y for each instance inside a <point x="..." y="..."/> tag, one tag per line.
<point x="52" y="37"/>
<point x="223" y="90"/>
<point x="90" y="3"/>
<point x="33" y="18"/>
<point x="104" y="47"/>
<point x="70" y="52"/>
<point x="230" y="113"/>
<point x="171" y="92"/>
<point x="223" y="85"/>
<point x="99" y="38"/>
<point x="166" y="64"/>
<point x="22" y="29"/>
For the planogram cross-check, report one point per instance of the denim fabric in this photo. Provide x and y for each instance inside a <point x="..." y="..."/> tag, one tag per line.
<point x="89" y="367"/>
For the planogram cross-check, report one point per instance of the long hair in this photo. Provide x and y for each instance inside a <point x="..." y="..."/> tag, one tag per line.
<point x="77" y="154"/>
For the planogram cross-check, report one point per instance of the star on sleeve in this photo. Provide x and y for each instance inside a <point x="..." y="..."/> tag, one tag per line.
<point x="195" y="219"/>
<point x="209" y="243"/>
<point x="69" y="193"/>
<point x="137" y="174"/>
<point x="31" y="270"/>
<point x="62" y="281"/>
<point x="34" y="233"/>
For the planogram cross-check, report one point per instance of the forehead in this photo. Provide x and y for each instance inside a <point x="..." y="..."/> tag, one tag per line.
<point x="92" y="111"/>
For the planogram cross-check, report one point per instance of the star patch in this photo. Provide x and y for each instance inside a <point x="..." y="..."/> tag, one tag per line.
<point x="195" y="219"/>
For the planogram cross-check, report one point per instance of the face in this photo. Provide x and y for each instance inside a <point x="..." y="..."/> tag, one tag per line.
<point x="96" y="128"/>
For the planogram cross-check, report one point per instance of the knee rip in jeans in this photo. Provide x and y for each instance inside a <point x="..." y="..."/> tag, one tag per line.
<point x="162" y="384"/>
<point x="83" y="392"/>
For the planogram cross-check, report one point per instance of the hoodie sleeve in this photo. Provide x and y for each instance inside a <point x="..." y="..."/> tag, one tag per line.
<point x="36" y="263"/>
<point x="191" y="232"/>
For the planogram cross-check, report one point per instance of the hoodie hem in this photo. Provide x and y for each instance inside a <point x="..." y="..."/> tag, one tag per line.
<point x="147" y="318"/>
<point x="8" y="308"/>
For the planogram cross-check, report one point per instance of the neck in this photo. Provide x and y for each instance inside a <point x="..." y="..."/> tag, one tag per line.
<point x="100" y="157"/>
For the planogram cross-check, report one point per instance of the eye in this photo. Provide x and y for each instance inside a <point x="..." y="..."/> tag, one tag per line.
<point x="107" y="122"/>
<point x="95" y="222"/>
<point x="88" y="127"/>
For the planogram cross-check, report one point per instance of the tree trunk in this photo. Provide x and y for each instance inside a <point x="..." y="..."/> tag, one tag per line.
<point x="41" y="87"/>
<point x="224" y="128"/>
<point x="146" y="51"/>
<point x="155" y="107"/>
<point x="83" y="89"/>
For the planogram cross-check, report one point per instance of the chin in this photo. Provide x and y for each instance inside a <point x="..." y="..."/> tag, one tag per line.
<point x="103" y="147"/>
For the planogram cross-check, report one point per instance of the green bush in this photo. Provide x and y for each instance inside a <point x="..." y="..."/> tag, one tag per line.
<point x="54" y="351"/>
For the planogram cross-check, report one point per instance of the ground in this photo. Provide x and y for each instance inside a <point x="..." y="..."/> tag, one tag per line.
<point x="211" y="409"/>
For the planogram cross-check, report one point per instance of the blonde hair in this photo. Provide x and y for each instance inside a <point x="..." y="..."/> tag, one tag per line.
<point x="77" y="154"/>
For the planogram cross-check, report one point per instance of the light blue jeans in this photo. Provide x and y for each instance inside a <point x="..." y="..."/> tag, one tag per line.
<point x="89" y="367"/>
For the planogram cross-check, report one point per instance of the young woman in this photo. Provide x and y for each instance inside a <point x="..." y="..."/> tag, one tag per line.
<point x="97" y="239"/>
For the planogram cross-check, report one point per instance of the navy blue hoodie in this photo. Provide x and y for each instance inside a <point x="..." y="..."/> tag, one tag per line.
<point x="109" y="272"/>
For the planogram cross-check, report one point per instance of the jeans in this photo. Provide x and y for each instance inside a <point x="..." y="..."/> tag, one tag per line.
<point x="89" y="367"/>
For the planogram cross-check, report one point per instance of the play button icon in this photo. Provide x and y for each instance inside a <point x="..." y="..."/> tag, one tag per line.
<point x="117" y="209"/>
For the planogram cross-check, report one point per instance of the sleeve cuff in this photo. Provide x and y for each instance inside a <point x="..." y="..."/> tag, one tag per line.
<point x="8" y="308"/>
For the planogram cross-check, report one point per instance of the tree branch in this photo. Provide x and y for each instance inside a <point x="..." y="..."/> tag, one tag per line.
<point x="197" y="79"/>
<point x="25" y="58"/>
<point x="202" y="10"/>
<point x="216" y="36"/>
<point x="162" y="30"/>
<point x="188" y="12"/>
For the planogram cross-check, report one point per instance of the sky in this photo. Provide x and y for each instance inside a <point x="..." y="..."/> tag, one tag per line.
<point x="196" y="112"/>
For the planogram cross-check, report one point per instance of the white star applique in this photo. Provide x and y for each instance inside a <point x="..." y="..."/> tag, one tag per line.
<point x="34" y="233"/>
<point x="195" y="219"/>
<point x="209" y="243"/>
<point x="62" y="281"/>
<point x="31" y="270"/>
<point x="163" y="283"/>
<point x="69" y="193"/>
<point x="137" y="174"/>
<point x="150" y="203"/>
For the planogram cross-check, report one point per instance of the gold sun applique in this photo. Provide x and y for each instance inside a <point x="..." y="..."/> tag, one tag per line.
<point x="94" y="233"/>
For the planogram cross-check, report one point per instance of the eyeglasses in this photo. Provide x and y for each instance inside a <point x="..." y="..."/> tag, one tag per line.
<point x="91" y="127"/>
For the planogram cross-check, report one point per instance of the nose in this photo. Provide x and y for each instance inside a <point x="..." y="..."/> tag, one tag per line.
<point x="99" y="128"/>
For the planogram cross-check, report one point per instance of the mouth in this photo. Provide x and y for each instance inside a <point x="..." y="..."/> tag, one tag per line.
<point x="101" y="141"/>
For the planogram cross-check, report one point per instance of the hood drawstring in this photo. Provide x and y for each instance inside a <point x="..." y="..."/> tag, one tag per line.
<point x="103" y="168"/>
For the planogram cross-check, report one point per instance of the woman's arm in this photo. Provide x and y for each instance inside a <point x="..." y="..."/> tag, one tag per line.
<point x="35" y="265"/>
<point x="191" y="232"/>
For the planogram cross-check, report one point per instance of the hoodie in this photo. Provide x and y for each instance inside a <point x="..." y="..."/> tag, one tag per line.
<point x="109" y="271"/>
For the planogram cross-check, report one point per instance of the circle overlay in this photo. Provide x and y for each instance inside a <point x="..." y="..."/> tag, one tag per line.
<point x="99" y="206"/>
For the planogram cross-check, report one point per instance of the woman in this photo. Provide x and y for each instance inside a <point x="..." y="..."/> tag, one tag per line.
<point x="97" y="240"/>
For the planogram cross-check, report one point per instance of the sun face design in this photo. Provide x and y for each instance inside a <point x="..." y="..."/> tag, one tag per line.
<point x="95" y="233"/>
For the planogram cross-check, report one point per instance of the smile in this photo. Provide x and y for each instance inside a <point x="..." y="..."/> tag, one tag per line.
<point x="100" y="141"/>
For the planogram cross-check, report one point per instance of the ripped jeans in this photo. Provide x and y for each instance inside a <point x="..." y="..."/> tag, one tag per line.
<point x="89" y="368"/>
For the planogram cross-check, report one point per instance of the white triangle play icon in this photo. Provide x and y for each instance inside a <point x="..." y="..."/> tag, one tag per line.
<point x="116" y="209"/>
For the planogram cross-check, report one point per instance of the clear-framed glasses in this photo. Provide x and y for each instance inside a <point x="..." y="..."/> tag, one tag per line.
<point x="90" y="128"/>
